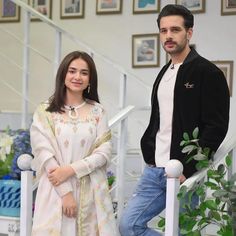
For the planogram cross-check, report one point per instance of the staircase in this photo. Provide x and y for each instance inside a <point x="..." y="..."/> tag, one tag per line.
<point x="126" y="145"/>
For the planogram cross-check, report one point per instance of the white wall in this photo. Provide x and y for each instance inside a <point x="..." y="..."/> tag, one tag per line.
<point x="111" y="35"/>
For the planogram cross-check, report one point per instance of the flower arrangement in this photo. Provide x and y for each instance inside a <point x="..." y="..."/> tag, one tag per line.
<point x="12" y="145"/>
<point x="110" y="178"/>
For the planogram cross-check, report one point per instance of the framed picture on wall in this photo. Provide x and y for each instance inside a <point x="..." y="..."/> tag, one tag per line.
<point x="9" y="12"/>
<point x="72" y="9"/>
<point x="195" y="6"/>
<point x="108" y="6"/>
<point x="227" y="69"/>
<point x="146" y="6"/>
<point x="228" y="7"/>
<point x="168" y="55"/>
<point x="42" y="6"/>
<point x="145" y="50"/>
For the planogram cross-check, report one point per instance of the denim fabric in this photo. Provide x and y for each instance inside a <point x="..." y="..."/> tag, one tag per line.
<point x="148" y="201"/>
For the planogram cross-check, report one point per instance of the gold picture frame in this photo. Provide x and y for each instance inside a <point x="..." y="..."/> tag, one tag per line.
<point x="9" y="12"/>
<point x="42" y="6"/>
<point x="72" y="9"/>
<point x="195" y="6"/>
<point x="145" y="50"/>
<point x="108" y="7"/>
<point x="228" y="7"/>
<point x="142" y="7"/>
<point x="227" y="68"/>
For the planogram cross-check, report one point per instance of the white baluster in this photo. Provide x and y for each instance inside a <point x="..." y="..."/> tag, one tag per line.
<point x="173" y="170"/>
<point x="24" y="163"/>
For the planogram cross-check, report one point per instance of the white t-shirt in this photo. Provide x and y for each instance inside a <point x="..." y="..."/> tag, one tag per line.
<point x="165" y="96"/>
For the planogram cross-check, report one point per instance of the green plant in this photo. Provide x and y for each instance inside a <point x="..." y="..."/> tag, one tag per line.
<point x="13" y="143"/>
<point x="220" y="208"/>
<point x="6" y="153"/>
<point x="110" y="178"/>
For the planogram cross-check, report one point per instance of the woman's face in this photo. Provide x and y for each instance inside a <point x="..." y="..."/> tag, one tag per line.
<point x="77" y="76"/>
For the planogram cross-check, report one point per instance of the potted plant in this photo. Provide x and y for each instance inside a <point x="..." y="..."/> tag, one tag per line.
<point x="12" y="145"/>
<point x="219" y="209"/>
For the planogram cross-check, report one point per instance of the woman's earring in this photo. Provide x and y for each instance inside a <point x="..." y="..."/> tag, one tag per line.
<point x="88" y="88"/>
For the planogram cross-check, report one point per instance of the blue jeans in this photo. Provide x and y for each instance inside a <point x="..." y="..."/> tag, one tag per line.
<point x="148" y="201"/>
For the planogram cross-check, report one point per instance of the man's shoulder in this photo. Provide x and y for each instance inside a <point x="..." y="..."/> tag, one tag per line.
<point x="203" y="63"/>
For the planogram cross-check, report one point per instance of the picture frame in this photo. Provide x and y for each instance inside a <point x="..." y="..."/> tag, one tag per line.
<point x="9" y="12"/>
<point x="42" y="6"/>
<point x="227" y="68"/>
<point x="146" y="6"/>
<point x="108" y="6"/>
<point x="228" y="7"/>
<point x="168" y="56"/>
<point x="71" y="9"/>
<point x="145" y="50"/>
<point x="195" y="6"/>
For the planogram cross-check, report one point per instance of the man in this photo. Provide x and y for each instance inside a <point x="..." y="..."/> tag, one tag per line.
<point x="189" y="92"/>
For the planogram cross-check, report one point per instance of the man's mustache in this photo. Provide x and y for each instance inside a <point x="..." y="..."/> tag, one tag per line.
<point x="169" y="41"/>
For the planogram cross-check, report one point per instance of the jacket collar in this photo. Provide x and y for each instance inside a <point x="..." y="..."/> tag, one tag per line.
<point x="191" y="56"/>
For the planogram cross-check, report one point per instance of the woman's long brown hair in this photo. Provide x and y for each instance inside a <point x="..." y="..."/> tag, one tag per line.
<point x="57" y="100"/>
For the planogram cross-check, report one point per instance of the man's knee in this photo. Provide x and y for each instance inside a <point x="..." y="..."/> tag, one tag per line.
<point x="124" y="226"/>
<point x="127" y="227"/>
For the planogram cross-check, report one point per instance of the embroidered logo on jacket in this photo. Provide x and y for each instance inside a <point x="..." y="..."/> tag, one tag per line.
<point x="189" y="86"/>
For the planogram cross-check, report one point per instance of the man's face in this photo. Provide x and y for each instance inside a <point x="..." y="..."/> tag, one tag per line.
<point x="173" y="35"/>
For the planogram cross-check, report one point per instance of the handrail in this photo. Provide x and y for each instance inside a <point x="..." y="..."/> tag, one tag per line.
<point x="75" y="39"/>
<point x="219" y="155"/>
<point x="121" y="115"/>
<point x="172" y="208"/>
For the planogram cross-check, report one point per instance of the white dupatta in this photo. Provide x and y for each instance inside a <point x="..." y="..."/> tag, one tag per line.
<point x="47" y="220"/>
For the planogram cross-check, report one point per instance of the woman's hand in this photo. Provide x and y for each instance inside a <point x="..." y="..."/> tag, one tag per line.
<point x="69" y="206"/>
<point x="60" y="174"/>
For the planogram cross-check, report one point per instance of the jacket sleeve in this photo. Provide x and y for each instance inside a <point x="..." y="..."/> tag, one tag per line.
<point x="215" y="101"/>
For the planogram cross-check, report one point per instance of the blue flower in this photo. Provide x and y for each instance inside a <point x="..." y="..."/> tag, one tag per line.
<point x="20" y="145"/>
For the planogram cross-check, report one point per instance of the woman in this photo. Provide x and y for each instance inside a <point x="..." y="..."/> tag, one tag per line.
<point x="71" y="145"/>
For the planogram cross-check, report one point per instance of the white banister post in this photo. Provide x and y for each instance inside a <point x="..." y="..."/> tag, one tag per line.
<point x="120" y="167"/>
<point x="26" y="195"/>
<point x="26" y="203"/>
<point x="121" y="149"/>
<point x="25" y="77"/>
<point x="174" y="169"/>
<point x="233" y="154"/>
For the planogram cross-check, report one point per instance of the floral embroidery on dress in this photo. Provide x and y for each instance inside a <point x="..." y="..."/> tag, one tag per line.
<point x="91" y="130"/>
<point x="66" y="144"/>
<point x="93" y="117"/>
<point x="75" y="129"/>
<point x="96" y="110"/>
<point x="58" y="131"/>
<point x="82" y="142"/>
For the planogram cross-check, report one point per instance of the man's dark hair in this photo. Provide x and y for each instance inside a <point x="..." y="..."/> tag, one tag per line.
<point x="177" y="10"/>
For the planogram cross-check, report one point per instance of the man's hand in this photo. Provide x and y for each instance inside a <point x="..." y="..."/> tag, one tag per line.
<point x="60" y="174"/>
<point x="182" y="178"/>
<point x="69" y="206"/>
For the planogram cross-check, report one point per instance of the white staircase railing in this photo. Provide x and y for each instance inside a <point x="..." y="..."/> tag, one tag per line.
<point x="173" y="184"/>
<point x="27" y="11"/>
